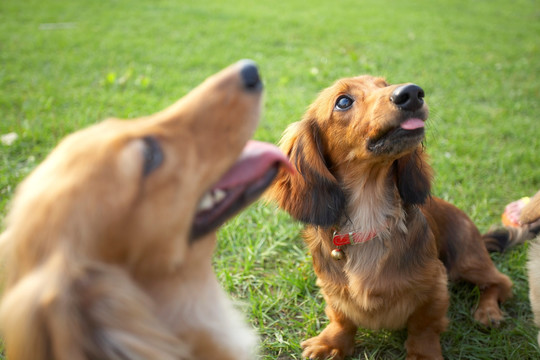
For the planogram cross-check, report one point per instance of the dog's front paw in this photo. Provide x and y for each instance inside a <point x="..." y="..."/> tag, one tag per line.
<point x="489" y="315"/>
<point x="321" y="347"/>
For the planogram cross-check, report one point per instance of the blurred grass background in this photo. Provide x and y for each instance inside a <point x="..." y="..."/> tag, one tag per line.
<point x="67" y="64"/>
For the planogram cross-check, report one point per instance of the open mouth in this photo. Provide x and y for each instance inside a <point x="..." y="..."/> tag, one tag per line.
<point x="243" y="183"/>
<point x="410" y="132"/>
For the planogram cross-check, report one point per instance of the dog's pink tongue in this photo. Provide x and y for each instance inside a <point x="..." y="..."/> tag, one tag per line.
<point x="412" y="124"/>
<point x="255" y="160"/>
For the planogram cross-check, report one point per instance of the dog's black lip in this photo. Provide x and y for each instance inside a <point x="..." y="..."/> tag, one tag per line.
<point x="397" y="132"/>
<point x="237" y="198"/>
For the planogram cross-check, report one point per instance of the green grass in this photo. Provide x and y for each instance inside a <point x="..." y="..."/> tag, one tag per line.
<point x="477" y="61"/>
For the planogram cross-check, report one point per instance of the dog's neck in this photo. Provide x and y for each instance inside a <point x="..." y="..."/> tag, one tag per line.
<point x="374" y="204"/>
<point x="199" y="310"/>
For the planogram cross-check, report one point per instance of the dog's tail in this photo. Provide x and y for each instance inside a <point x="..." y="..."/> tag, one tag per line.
<point x="500" y="239"/>
<point x="82" y="310"/>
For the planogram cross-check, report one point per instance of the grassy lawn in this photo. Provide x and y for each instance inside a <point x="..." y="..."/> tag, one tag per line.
<point x="67" y="64"/>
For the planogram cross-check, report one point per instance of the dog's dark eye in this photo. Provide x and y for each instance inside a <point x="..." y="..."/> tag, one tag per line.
<point x="343" y="102"/>
<point x="153" y="156"/>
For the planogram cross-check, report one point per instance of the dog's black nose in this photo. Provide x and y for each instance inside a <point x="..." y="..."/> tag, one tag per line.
<point x="408" y="97"/>
<point x="250" y="75"/>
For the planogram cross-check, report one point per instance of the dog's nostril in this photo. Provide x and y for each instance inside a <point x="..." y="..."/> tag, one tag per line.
<point x="408" y="97"/>
<point x="250" y="75"/>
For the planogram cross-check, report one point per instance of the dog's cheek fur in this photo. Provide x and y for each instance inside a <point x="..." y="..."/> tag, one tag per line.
<point x="413" y="177"/>
<point x="311" y="195"/>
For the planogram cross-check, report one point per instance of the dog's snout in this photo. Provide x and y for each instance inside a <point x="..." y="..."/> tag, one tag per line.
<point x="408" y="97"/>
<point x="250" y="75"/>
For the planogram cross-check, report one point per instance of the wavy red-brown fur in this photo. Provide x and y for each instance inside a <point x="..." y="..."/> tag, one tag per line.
<point x="398" y="279"/>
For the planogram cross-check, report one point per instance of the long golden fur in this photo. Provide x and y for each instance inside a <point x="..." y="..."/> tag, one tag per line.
<point x="361" y="168"/>
<point x="108" y="242"/>
<point x="531" y="215"/>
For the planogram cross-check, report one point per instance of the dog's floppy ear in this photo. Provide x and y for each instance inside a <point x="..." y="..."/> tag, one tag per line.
<point x="311" y="194"/>
<point x="413" y="177"/>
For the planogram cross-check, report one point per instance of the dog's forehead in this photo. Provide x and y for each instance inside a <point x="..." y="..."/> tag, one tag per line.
<point x="87" y="152"/>
<point x="363" y="82"/>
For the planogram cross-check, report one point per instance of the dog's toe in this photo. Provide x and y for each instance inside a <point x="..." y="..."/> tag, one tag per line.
<point x="321" y="349"/>
<point x="489" y="316"/>
<point x="322" y="353"/>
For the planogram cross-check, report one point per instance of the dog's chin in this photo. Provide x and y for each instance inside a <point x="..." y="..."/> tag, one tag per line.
<point x="396" y="141"/>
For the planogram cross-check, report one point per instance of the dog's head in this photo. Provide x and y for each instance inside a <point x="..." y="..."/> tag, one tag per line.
<point x="355" y="127"/>
<point x="142" y="192"/>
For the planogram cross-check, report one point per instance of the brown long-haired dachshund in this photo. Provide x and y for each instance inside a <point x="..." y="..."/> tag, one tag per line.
<point x="108" y="244"/>
<point x="382" y="247"/>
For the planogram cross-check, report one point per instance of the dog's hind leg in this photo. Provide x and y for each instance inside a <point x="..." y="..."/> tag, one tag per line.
<point x="495" y="287"/>
<point x="336" y="341"/>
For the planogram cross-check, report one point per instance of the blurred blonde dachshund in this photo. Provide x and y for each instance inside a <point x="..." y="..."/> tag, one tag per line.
<point x="108" y="243"/>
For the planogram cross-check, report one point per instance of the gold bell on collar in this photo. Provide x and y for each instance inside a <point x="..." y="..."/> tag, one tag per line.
<point x="337" y="254"/>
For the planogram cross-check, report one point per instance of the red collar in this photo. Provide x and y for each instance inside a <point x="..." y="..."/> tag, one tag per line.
<point x="352" y="238"/>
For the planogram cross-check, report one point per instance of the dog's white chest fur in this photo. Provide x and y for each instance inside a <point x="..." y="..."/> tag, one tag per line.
<point x="206" y="309"/>
<point x="374" y="209"/>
